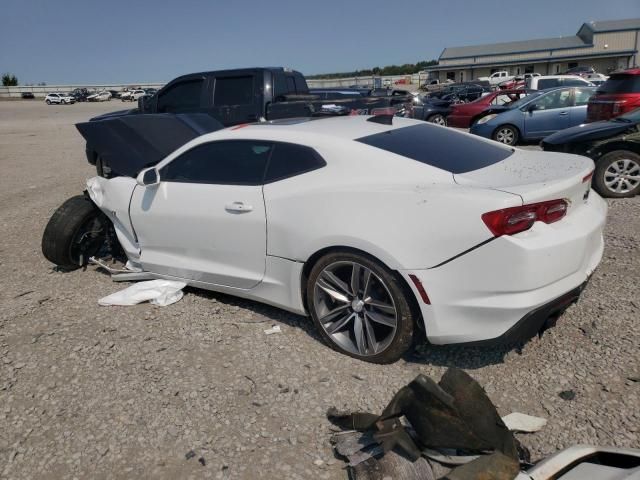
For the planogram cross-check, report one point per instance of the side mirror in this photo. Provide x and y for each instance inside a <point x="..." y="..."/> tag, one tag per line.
<point x="148" y="177"/>
<point x="532" y="107"/>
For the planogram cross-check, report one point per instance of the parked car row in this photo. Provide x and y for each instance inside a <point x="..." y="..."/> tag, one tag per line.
<point x="86" y="95"/>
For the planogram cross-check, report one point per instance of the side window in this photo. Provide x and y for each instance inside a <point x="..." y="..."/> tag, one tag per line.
<point x="279" y="86"/>
<point x="572" y="82"/>
<point x="582" y="96"/>
<point x="555" y="99"/>
<point x="301" y="85"/>
<point x="291" y="85"/>
<point x="288" y="160"/>
<point x="181" y="96"/>
<point x="233" y="91"/>
<point x="238" y="162"/>
<point x="548" y="83"/>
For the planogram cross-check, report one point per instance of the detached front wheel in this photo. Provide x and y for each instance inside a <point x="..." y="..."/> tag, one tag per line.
<point x="360" y="307"/>
<point x="76" y="231"/>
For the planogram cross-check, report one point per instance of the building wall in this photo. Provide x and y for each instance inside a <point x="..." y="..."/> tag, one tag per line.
<point x="602" y="43"/>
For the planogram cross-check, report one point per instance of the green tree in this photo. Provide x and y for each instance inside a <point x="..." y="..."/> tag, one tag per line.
<point x="9" y="80"/>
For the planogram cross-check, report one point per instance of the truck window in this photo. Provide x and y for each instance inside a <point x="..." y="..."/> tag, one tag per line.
<point x="301" y="85"/>
<point x="181" y="96"/>
<point x="233" y="91"/>
<point x="291" y="85"/>
<point x="279" y="86"/>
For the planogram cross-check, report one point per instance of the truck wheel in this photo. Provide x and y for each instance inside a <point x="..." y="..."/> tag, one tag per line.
<point x="75" y="232"/>
<point x="617" y="174"/>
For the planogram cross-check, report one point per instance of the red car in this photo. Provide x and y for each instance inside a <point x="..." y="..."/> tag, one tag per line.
<point x="463" y="115"/>
<point x="619" y="94"/>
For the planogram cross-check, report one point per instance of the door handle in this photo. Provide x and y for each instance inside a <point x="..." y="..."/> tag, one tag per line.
<point x="238" y="207"/>
<point x="564" y="113"/>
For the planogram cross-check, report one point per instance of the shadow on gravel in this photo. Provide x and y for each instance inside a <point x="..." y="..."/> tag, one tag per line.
<point x="270" y="314"/>
<point x="468" y="358"/>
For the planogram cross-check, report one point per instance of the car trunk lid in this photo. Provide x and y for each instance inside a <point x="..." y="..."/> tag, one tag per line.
<point x="536" y="177"/>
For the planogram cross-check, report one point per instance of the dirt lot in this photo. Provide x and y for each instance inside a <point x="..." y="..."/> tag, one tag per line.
<point x="126" y="392"/>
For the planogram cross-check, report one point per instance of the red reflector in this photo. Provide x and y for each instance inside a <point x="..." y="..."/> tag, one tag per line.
<point x="242" y="125"/>
<point x="510" y="221"/>
<point x="588" y="177"/>
<point x="423" y="294"/>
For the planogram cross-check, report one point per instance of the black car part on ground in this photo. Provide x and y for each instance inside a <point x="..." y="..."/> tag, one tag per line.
<point x="131" y="143"/>
<point x="454" y="417"/>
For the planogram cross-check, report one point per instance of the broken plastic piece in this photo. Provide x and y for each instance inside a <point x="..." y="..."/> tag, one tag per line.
<point x="272" y="330"/>
<point x="158" y="292"/>
<point x="520" y="422"/>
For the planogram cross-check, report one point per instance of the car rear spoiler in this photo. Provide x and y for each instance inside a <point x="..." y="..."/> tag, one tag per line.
<point x="131" y="143"/>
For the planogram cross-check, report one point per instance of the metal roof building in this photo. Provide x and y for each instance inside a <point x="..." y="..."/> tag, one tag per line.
<point x="606" y="45"/>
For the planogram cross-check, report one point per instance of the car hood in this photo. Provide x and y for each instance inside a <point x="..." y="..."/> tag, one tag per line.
<point x="588" y="132"/>
<point x="119" y="113"/>
<point x="131" y="143"/>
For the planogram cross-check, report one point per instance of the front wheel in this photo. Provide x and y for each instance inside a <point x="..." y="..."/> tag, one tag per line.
<point x="360" y="307"/>
<point x="437" y="119"/>
<point x="617" y="174"/>
<point x="76" y="231"/>
<point x="48" y="102"/>
<point x="506" y="134"/>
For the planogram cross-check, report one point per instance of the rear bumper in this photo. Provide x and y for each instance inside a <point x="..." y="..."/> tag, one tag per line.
<point x="458" y="121"/>
<point x="506" y="289"/>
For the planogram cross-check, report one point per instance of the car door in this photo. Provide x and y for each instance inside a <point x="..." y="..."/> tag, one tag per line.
<point x="578" y="113"/>
<point x="206" y="219"/>
<point x="183" y="96"/>
<point x="235" y="97"/>
<point x="547" y="114"/>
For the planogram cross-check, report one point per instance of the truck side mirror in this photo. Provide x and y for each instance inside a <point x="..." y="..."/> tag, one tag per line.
<point x="148" y="177"/>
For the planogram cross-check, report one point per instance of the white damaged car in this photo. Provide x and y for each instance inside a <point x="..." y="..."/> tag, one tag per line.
<point x="378" y="228"/>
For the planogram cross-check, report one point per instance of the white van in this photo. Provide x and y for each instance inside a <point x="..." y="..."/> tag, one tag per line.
<point x="550" y="81"/>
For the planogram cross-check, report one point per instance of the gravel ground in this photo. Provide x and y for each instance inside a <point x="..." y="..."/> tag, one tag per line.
<point x="128" y="392"/>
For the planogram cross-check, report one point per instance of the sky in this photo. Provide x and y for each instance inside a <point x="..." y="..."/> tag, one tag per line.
<point x="139" y="41"/>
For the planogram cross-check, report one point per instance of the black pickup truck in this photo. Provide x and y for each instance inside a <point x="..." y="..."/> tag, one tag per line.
<point x="248" y="95"/>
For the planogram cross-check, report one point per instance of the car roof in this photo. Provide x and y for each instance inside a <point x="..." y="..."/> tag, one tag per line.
<point x="350" y="127"/>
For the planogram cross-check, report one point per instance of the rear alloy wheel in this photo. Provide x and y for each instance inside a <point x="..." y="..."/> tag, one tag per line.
<point x="360" y="308"/>
<point x="506" y="134"/>
<point x="618" y="174"/>
<point x="438" y="119"/>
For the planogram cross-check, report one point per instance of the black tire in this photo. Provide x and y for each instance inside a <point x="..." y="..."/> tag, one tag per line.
<point x="438" y="119"/>
<point x="48" y="102"/>
<point x="405" y="319"/>
<point x="75" y="232"/>
<point x="500" y="135"/>
<point x="605" y="170"/>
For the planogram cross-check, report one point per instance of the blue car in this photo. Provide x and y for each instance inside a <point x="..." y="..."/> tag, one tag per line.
<point x="537" y="115"/>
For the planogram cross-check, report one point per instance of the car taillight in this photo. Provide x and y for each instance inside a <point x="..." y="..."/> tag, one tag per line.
<point x="383" y="111"/>
<point x="510" y="221"/>
<point x="617" y="108"/>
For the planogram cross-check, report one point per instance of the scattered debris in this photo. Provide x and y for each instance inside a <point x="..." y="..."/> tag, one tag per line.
<point x="190" y="454"/>
<point x="23" y="294"/>
<point x="272" y="330"/>
<point x="520" y="422"/>
<point x="202" y="461"/>
<point x="567" y="394"/>
<point x="158" y="292"/>
<point x="452" y="420"/>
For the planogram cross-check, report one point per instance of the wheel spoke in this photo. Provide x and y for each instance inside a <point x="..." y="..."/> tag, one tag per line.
<point x="340" y="297"/>
<point x="340" y="324"/>
<point x="359" y="334"/>
<point x="331" y="278"/>
<point x="381" y="319"/>
<point x="371" y="337"/>
<point x="367" y="282"/>
<point x="355" y="279"/>
<point x="385" y="307"/>
<point x="331" y="314"/>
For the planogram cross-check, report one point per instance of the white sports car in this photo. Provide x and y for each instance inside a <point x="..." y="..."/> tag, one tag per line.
<point x="379" y="228"/>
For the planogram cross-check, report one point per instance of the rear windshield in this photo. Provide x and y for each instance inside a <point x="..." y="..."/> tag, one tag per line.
<point x="439" y="147"/>
<point x="621" y="84"/>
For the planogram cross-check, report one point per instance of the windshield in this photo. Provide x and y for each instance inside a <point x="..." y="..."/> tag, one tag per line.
<point x="524" y="100"/>
<point x="621" y="84"/>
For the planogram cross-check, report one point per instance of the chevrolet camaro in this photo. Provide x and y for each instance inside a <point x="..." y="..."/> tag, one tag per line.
<point x="381" y="229"/>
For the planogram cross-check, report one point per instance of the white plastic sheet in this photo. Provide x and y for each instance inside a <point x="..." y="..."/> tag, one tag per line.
<point x="158" y="292"/>
<point x="520" y="422"/>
